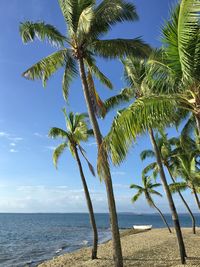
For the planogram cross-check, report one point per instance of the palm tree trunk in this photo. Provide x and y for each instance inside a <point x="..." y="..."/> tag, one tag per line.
<point x="197" y="118"/>
<point x="162" y="216"/>
<point x="90" y="207"/>
<point x="117" y="251"/>
<point x="185" y="203"/>
<point x="196" y="196"/>
<point x="170" y="199"/>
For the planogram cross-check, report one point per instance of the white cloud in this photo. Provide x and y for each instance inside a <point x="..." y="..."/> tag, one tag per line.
<point x="12" y="144"/>
<point x="38" y="135"/>
<point x="10" y="137"/>
<point x="12" y="150"/>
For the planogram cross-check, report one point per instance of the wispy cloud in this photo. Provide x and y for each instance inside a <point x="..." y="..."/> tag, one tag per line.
<point x="12" y="150"/>
<point x="39" y="135"/>
<point x="10" y="137"/>
<point x="12" y="144"/>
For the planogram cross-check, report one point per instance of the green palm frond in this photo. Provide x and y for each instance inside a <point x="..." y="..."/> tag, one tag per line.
<point x="46" y="67"/>
<point x="91" y="168"/>
<point x="29" y="31"/>
<point x="135" y="186"/>
<point x="175" y="187"/>
<point x="147" y="154"/>
<point x="136" y="196"/>
<point x="115" y="48"/>
<point x="57" y="153"/>
<point x="84" y="22"/>
<point x="91" y="63"/>
<point x="181" y="36"/>
<point x="124" y="96"/>
<point x="108" y="13"/>
<point x="144" y="113"/>
<point x="154" y="192"/>
<point x="58" y="132"/>
<point x="69" y="10"/>
<point x="70" y="73"/>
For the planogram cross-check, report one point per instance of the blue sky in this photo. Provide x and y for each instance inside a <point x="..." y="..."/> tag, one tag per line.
<point x="28" y="179"/>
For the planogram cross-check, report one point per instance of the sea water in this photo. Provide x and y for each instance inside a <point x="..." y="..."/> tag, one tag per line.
<point x="28" y="239"/>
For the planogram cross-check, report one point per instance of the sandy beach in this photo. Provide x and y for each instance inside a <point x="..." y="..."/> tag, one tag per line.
<point x="151" y="248"/>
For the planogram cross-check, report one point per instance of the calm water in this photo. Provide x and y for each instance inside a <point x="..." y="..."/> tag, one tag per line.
<point x="28" y="239"/>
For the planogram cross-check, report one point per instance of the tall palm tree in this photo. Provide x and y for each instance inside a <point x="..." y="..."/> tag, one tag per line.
<point x="180" y="60"/>
<point x="86" y="24"/>
<point x="164" y="146"/>
<point x="141" y="116"/>
<point x="148" y="189"/>
<point x="77" y="131"/>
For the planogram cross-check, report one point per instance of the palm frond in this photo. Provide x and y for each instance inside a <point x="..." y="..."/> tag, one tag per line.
<point x="136" y="196"/>
<point x="70" y="10"/>
<point x="57" y="132"/>
<point x="30" y="30"/>
<point x="91" y="168"/>
<point x="145" y="113"/>
<point x="57" y="153"/>
<point x="175" y="187"/>
<point x="116" y="48"/>
<point x="108" y="13"/>
<point x="147" y="154"/>
<point x="46" y="67"/>
<point x="90" y="62"/>
<point x="70" y="72"/>
<point x="123" y="97"/>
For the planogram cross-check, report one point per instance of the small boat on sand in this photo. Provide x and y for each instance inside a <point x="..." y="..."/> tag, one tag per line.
<point x="142" y="227"/>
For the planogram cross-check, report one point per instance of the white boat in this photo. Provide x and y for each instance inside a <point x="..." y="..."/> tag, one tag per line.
<point x="142" y="227"/>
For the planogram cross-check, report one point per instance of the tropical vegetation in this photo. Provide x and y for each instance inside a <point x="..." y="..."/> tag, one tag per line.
<point x="162" y="91"/>
<point x="77" y="131"/>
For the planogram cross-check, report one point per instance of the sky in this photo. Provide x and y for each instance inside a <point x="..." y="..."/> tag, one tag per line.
<point x="28" y="180"/>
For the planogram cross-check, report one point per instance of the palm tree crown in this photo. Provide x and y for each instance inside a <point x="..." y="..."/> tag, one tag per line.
<point x="77" y="131"/>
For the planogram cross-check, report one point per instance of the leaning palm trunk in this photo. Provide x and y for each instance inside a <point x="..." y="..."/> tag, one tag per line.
<point x="197" y="118"/>
<point x="170" y="199"/>
<point x="117" y="252"/>
<point x="90" y="207"/>
<point x="162" y="216"/>
<point x="196" y="196"/>
<point x="185" y="203"/>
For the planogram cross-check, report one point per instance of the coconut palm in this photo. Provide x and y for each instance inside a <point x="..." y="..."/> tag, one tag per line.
<point x="86" y="24"/>
<point x="180" y="60"/>
<point x="186" y="167"/>
<point x="147" y="190"/>
<point x="141" y="116"/>
<point x="166" y="151"/>
<point x="77" y="131"/>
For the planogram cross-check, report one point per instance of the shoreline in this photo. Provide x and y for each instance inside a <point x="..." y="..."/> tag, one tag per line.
<point x="143" y="248"/>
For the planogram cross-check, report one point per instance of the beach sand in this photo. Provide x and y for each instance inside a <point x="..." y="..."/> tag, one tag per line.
<point x="150" y="248"/>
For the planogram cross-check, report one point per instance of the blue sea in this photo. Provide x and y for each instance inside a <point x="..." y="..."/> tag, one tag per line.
<point x="28" y="239"/>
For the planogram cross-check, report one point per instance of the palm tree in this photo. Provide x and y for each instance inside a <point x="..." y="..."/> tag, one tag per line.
<point x="148" y="189"/>
<point x="180" y="59"/>
<point x="77" y="132"/>
<point x="86" y="24"/>
<point x="143" y="115"/>
<point x="164" y="146"/>
<point x="185" y="166"/>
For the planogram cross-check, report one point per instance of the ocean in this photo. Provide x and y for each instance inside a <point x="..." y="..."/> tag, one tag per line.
<point x="28" y="239"/>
